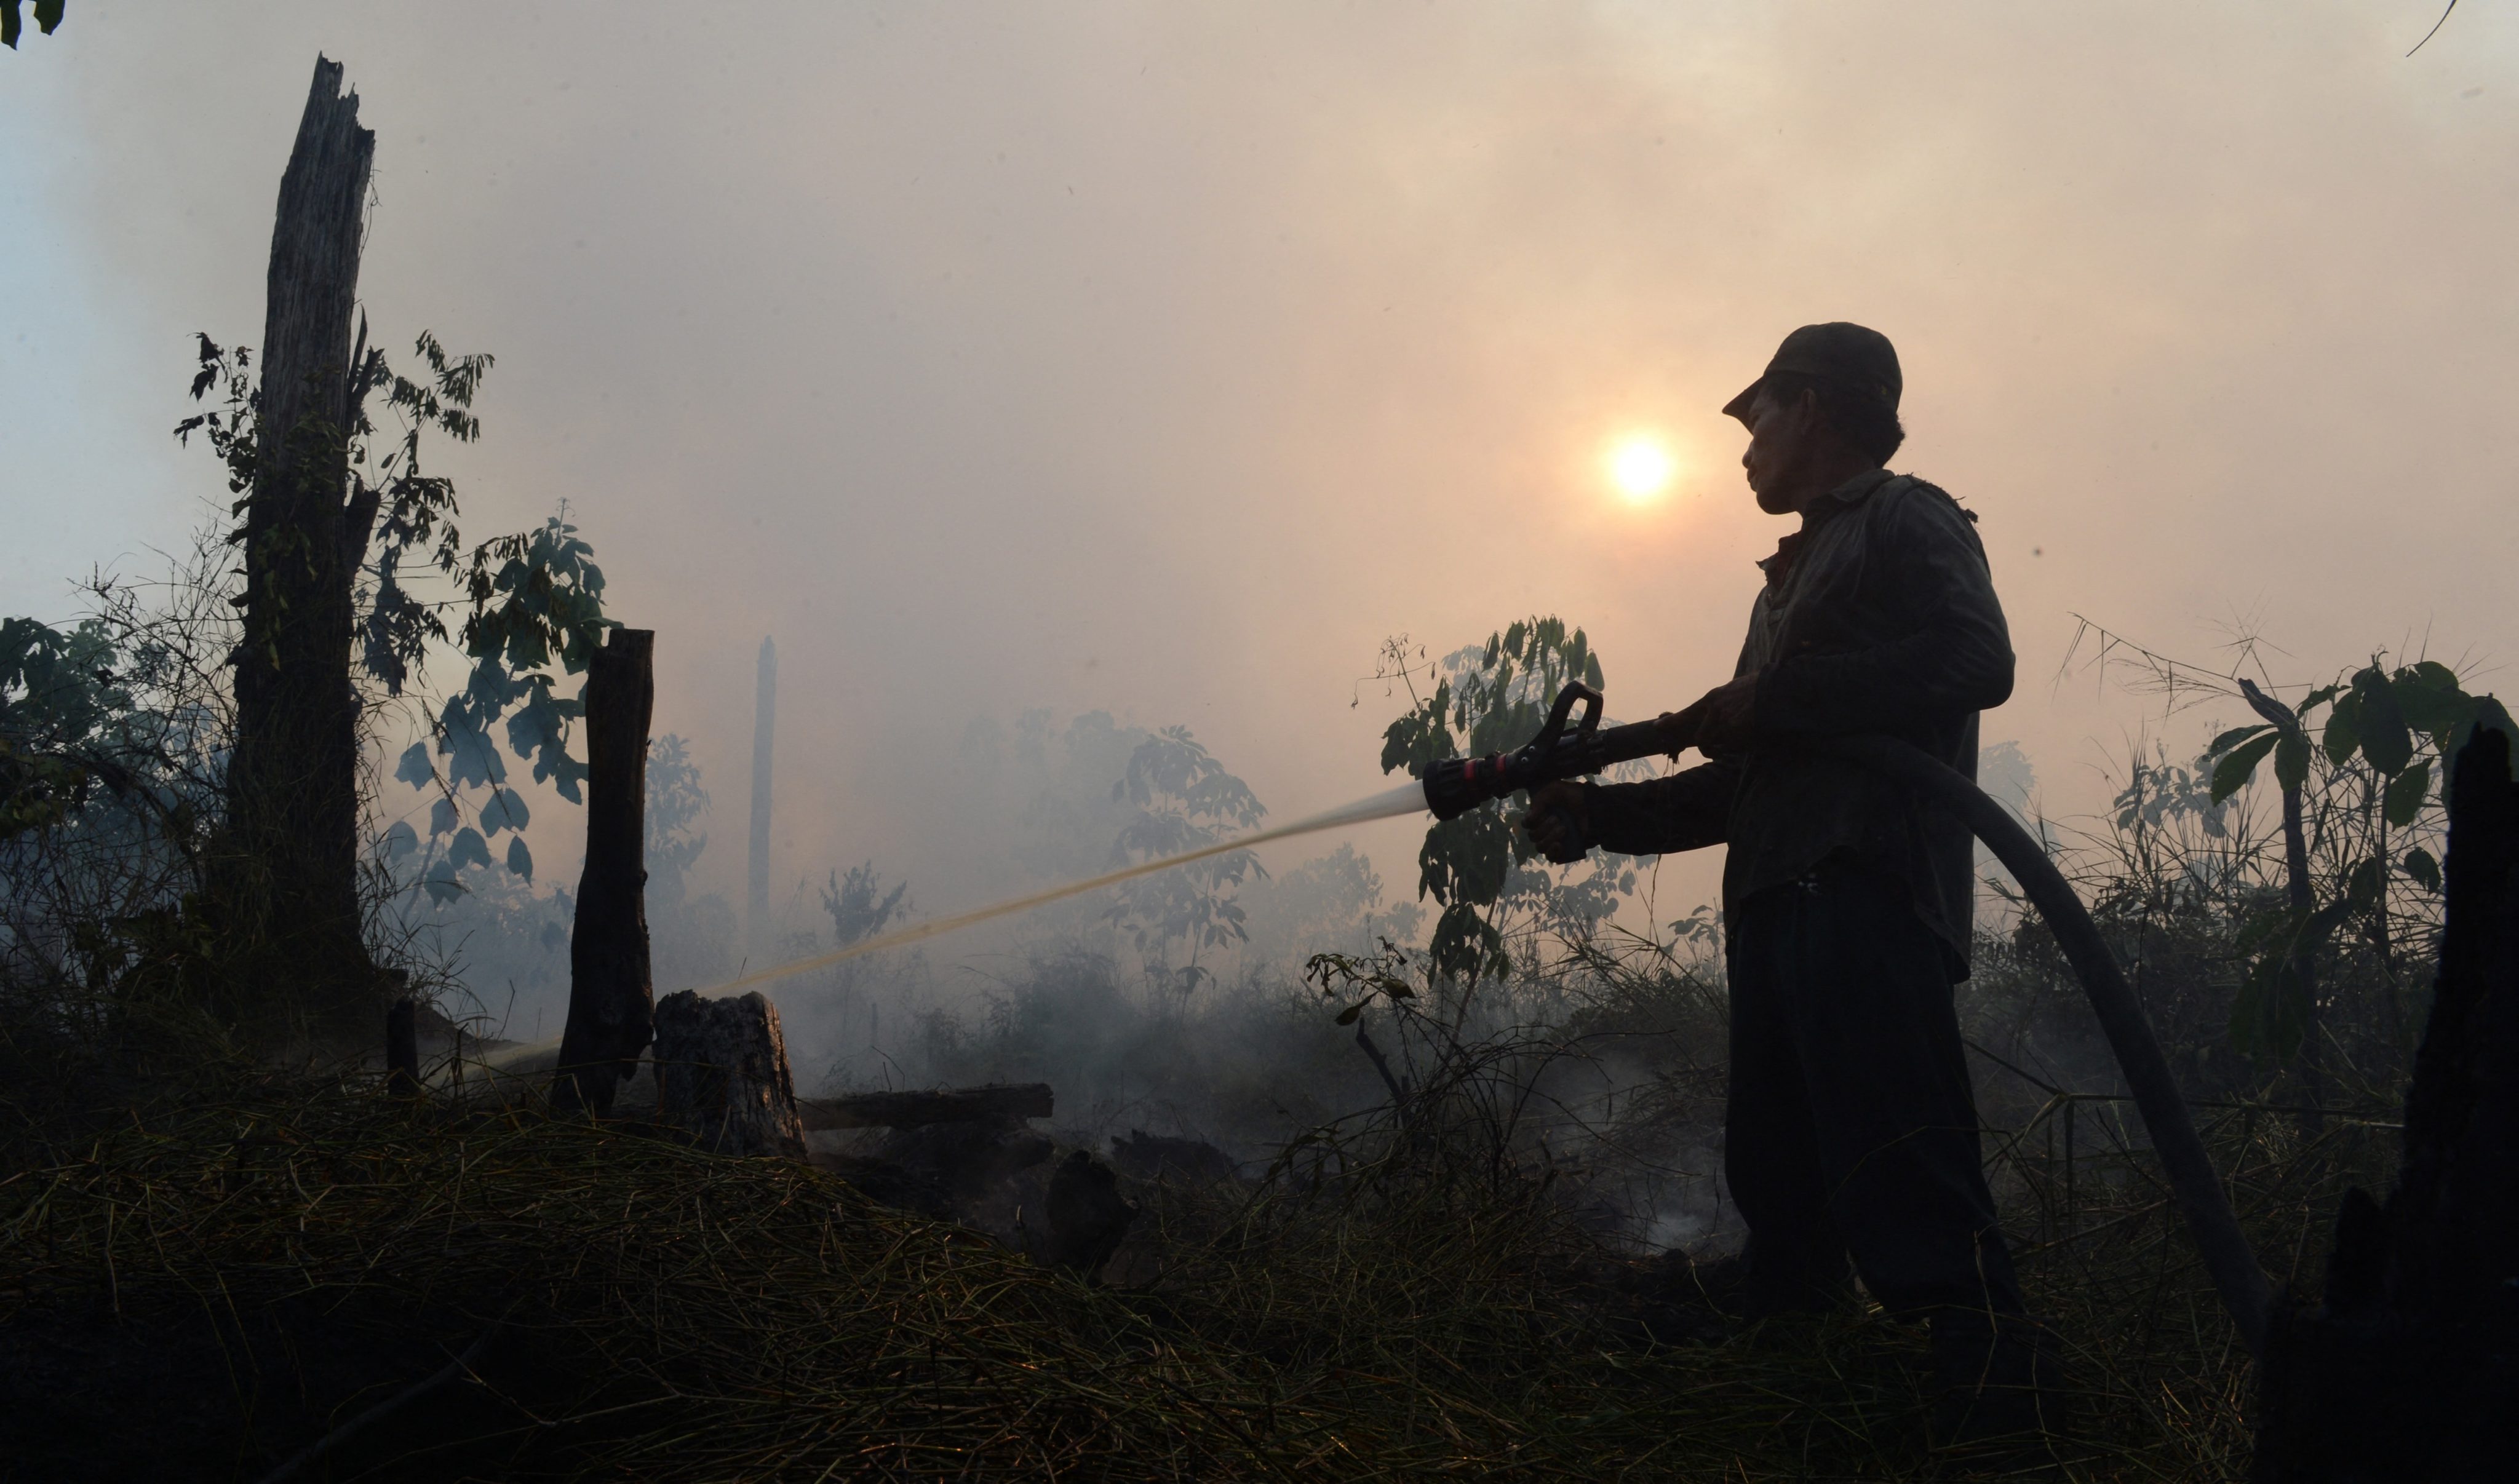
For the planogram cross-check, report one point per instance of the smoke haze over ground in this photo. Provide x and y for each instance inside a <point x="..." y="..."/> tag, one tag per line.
<point x="1161" y="362"/>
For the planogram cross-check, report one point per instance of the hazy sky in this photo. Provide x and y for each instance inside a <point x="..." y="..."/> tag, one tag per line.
<point x="1164" y="359"/>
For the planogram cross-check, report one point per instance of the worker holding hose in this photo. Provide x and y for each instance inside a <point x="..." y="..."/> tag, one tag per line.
<point x="1851" y="1127"/>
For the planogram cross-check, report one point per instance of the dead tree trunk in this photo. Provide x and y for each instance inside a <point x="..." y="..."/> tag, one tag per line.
<point x="290" y="881"/>
<point x="721" y="1075"/>
<point x="765" y="718"/>
<point x="2409" y="1370"/>
<point x="611" y="998"/>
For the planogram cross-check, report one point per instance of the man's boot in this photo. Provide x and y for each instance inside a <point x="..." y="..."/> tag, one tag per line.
<point x="1997" y="1379"/>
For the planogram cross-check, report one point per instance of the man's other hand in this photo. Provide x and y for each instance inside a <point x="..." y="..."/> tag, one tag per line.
<point x="1557" y="823"/>
<point x="1720" y="719"/>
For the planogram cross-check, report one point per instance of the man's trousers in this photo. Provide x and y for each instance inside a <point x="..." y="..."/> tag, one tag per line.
<point x="1852" y="1126"/>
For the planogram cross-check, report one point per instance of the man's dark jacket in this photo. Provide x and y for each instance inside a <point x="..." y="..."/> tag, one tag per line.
<point x="1877" y="616"/>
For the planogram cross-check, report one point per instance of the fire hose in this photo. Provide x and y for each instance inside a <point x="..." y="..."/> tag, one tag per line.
<point x="1558" y="754"/>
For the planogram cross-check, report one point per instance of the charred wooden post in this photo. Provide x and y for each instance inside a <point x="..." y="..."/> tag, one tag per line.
<point x="722" y="1074"/>
<point x="611" y="998"/>
<point x="910" y="1109"/>
<point x="2409" y="1369"/>
<point x="287" y="878"/>
<point x="402" y="1048"/>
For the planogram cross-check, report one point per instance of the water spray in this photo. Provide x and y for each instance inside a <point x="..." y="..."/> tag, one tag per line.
<point x="1448" y="789"/>
<point x="1390" y="803"/>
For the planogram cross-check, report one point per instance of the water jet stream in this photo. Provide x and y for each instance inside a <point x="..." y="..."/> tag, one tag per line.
<point x="1406" y="798"/>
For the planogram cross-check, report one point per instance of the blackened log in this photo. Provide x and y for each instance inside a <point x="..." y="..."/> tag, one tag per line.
<point x="721" y="1075"/>
<point x="910" y="1109"/>
<point x="612" y="996"/>
<point x="2409" y="1367"/>
<point x="287" y="880"/>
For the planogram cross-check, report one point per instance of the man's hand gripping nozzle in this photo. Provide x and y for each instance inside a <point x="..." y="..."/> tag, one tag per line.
<point x="1457" y="785"/>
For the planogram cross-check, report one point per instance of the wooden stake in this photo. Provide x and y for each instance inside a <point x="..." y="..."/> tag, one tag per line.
<point x="611" y="997"/>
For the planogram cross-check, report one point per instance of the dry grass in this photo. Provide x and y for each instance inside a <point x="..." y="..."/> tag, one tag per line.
<point x="1375" y="1311"/>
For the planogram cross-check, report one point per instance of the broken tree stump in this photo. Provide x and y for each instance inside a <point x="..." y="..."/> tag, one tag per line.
<point x="2409" y="1368"/>
<point x="721" y="1075"/>
<point x="610" y="996"/>
<point x="1009" y="1103"/>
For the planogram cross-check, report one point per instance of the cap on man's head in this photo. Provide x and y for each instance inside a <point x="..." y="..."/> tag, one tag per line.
<point x="1859" y="360"/>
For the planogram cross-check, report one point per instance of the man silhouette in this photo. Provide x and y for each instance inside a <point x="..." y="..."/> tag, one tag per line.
<point x="1851" y="1128"/>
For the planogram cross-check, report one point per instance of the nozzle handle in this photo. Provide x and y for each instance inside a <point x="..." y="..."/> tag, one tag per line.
<point x="1559" y="712"/>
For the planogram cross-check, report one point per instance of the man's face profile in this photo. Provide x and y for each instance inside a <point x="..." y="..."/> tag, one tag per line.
<point x="1783" y="438"/>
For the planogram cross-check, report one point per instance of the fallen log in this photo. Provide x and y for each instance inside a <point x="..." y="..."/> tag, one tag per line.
<point x="1009" y="1103"/>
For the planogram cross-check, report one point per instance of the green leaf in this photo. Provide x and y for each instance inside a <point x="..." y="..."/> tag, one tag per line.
<point x="2343" y="728"/>
<point x="1466" y="944"/>
<point x="467" y="849"/>
<point x="2419" y="865"/>
<point x="2406" y="794"/>
<point x="1348" y="1015"/>
<point x="2386" y="740"/>
<point x="520" y="860"/>
<point x="1466" y="858"/>
<point x="2429" y="695"/>
<point x="2362" y="888"/>
<point x="2232" y="773"/>
<point x="414" y="768"/>
<point x="2318" y="697"/>
<point x="401" y="840"/>
<point x="443" y="817"/>
<point x="2233" y="737"/>
<point x="2292" y="761"/>
<point x="506" y="810"/>
<point x="440" y="883"/>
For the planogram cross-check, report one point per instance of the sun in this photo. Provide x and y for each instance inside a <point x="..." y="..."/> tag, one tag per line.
<point x="1641" y="467"/>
